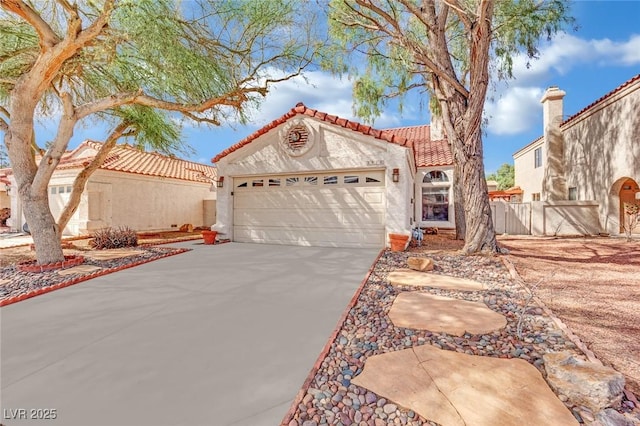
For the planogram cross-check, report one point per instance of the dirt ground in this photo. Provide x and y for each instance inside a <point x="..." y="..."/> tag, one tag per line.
<point x="593" y="286"/>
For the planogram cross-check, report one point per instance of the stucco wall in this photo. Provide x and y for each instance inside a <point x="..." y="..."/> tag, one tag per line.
<point x="143" y="203"/>
<point x="5" y="200"/>
<point x="334" y="148"/>
<point x="602" y="148"/>
<point x="527" y="176"/>
<point x="564" y="218"/>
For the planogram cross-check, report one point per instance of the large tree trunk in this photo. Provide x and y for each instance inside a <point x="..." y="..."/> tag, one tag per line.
<point x="458" y="198"/>
<point x="480" y="235"/>
<point x="44" y="230"/>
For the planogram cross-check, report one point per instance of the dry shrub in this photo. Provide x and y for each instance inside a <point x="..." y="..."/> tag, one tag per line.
<point x="110" y="238"/>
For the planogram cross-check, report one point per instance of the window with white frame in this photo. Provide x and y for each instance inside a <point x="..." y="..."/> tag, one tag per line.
<point x="60" y="189"/>
<point x="435" y="196"/>
<point x="573" y="193"/>
<point x="537" y="157"/>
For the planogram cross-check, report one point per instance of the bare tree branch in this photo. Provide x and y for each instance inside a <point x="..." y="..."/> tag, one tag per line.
<point x="460" y="12"/>
<point x="48" y="38"/>
<point x="52" y="156"/>
<point x="82" y="177"/>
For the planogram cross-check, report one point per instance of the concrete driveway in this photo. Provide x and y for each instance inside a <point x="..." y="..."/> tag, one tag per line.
<point x="221" y="335"/>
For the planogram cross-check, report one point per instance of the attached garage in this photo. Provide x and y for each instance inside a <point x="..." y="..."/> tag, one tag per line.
<point x="313" y="179"/>
<point x="325" y="209"/>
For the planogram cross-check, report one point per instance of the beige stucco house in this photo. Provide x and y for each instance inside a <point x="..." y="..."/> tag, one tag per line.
<point x="311" y="178"/>
<point x="583" y="168"/>
<point x="141" y="190"/>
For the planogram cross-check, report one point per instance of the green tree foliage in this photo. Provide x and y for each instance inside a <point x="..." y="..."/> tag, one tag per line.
<point x="505" y="176"/>
<point x="445" y="48"/>
<point x="142" y="66"/>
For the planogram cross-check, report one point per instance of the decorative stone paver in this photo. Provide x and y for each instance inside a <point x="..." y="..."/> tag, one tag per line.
<point x="112" y="254"/>
<point x="451" y="388"/>
<point x="584" y="383"/>
<point x="425" y="311"/>
<point x="424" y="279"/>
<point x="80" y="269"/>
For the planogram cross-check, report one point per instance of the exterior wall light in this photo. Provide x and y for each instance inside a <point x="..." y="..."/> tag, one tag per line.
<point x="220" y="182"/>
<point x="395" y="176"/>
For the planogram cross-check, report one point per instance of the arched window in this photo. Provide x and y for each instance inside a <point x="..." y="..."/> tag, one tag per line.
<point x="435" y="196"/>
<point x="435" y="176"/>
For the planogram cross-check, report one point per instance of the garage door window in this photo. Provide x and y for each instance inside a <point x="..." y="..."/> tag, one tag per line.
<point x="331" y="180"/>
<point x="311" y="180"/>
<point x="368" y="178"/>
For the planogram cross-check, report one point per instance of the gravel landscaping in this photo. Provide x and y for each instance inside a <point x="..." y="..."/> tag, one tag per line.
<point x="329" y="397"/>
<point x="16" y="285"/>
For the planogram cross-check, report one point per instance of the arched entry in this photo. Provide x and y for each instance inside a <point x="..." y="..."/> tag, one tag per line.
<point x="627" y="194"/>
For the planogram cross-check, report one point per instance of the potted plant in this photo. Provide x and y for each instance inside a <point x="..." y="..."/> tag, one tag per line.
<point x="398" y="241"/>
<point x="209" y="236"/>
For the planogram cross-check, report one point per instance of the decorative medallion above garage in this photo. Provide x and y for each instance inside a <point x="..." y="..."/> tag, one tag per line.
<point x="296" y="138"/>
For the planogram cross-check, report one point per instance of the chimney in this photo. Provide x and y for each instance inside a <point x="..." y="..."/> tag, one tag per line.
<point x="554" y="185"/>
<point x="552" y="107"/>
<point x="436" y="128"/>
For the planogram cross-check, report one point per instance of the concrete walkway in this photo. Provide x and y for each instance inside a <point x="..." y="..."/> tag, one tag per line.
<point x="222" y="335"/>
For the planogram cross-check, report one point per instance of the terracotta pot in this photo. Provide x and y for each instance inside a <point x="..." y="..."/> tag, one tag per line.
<point x="398" y="241"/>
<point x="209" y="236"/>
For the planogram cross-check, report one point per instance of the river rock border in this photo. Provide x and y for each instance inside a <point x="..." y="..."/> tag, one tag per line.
<point x="69" y="262"/>
<point x="25" y="285"/>
<point x="329" y="397"/>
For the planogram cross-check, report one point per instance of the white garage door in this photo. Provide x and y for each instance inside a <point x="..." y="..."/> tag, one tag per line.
<point x="320" y="209"/>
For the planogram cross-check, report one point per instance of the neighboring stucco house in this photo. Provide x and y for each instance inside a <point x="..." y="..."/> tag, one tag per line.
<point x="141" y="190"/>
<point x="583" y="168"/>
<point x="315" y="179"/>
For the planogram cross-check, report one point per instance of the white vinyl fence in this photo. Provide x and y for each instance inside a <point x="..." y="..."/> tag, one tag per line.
<point x="511" y="218"/>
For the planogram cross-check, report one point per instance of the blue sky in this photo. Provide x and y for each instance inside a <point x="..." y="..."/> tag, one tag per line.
<point x="601" y="55"/>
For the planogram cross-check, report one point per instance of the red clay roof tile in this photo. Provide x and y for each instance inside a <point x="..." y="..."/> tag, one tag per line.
<point x="125" y="158"/>
<point x="603" y="98"/>
<point x="427" y="153"/>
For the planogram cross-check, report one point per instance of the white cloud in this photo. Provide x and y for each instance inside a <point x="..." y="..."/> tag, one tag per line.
<point x="515" y="112"/>
<point x="515" y="106"/>
<point x="321" y="91"/>
<point x="566" y="52"/>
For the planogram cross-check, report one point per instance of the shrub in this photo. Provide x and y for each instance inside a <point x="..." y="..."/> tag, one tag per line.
<point x="109" y="238"/>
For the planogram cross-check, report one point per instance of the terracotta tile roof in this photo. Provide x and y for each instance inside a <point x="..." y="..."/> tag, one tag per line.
<point x="125" y="158"/>
<point x="300" y="108"/>
<point x="426" y="152"/>
<point x="603" y="98"/>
